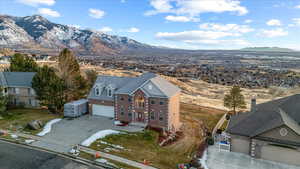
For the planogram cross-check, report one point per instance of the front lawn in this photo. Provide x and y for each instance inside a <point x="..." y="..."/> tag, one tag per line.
<point x="142" y="146"/>
<point x="17" y="119"/>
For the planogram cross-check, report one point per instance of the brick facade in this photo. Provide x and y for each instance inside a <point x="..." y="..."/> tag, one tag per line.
<point x="156" y="112"/>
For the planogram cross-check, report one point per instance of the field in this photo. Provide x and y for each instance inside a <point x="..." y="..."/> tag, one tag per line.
<point x="144" y="146"/>
<point x="17" y="119"/>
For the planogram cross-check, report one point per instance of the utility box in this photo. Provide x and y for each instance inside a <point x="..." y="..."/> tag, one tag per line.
<point x="76" y="108"/>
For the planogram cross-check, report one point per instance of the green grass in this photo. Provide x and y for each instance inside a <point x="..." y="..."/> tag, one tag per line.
<point x="143" y="145"/>
<point x="15" y="119"/>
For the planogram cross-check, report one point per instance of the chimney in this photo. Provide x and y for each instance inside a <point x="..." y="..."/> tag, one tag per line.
<point x="253" y="104"/>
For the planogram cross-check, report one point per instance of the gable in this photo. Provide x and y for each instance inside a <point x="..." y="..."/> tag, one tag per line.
<point x="282" y="133"/>
<point x="152" y="90"/>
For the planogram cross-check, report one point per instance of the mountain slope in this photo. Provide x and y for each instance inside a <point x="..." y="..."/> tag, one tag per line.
<point x="36" y="32"/>
<point x="267" y="49"/>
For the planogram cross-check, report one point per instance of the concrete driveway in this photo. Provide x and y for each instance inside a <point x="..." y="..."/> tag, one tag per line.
<point x="67" y="133"/>
<point x="232" y="160"/>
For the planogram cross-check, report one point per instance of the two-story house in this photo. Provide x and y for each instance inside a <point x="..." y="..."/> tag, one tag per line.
<point x="147" y="99"/>
<point x="17" y="86"/>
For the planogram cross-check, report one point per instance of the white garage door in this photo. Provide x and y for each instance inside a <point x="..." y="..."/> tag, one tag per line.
<point x="280" y="154"/>
<point x="100" y="110"/>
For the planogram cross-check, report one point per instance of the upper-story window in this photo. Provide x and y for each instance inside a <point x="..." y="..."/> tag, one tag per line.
<point x="109" y="92"/>
<point x="140" y="102"/>
<point x="16" y="90"/>
<point x="97" y="91"/>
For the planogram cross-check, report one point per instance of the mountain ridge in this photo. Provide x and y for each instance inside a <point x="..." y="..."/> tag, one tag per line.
<point x="37" y="32"/>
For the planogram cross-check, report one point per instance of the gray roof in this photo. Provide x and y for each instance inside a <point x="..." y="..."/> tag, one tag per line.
<point x="127" y="85"/>
<point x="268" y="116"/>
<point x="16" y="79"/>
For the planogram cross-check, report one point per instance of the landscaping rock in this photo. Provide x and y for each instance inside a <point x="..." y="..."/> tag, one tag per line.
<point x="1" y="117"/>
<point x="35" y="125"/>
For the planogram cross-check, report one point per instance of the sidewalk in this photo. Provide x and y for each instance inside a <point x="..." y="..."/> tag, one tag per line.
<point x="46" y="143"/>
<point x="116" y="158"/>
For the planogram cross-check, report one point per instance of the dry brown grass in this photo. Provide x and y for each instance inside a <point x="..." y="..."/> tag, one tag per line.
<point x="19" y="118"/>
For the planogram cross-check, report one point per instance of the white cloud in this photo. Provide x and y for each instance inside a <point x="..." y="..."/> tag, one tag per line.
<point x="193" y="8"/>
<point x="105" y="29"/>
<point x="226" y="27"/>
<point x="298" y="6"/>
<point x="180" y="18"/>
<point x="37" y="2"/>
<point x="194" y="35"/>
<point x="96" y="13"/>
<point x="278" y="32"/>
<point x="296" y="21"/>
<point x="229" y="42"/>
<point x="123" y="1"/>
<point x="75" y="26"/>
<point x="48" y="12"/>
<point x="248" y="21"/>
<point x="274" y="22"/>
<point x="133" y="30"/>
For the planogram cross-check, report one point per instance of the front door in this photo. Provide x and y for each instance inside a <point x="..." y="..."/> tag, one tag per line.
<point x="140" y="117"/>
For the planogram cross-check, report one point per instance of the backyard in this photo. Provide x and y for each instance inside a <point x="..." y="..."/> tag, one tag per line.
<point x="17" y="119"/>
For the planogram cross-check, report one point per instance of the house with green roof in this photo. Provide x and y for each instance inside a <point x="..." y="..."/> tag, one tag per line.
<point x="17" y="86"/>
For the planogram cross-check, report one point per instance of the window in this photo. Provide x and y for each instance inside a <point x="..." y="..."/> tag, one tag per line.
<point x="161" y="102"/>
<point x="140" y="102"/>
<point x="129" y="114"/>
<point x="5" y="90"/>
<point x="152" y="115"/>
<point x="97" y="91"/>
<point x="109" y="92"/>
<point x="129" y="99"/>
<point x="122" y="98"/>
<point x="29" y="102"/>
<point x="29" y="91"/>
<point x="161" y="118"/>
<point x="152" y="102"/>
<point x="17" y="90"/>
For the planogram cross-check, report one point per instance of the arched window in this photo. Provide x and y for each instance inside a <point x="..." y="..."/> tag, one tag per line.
<point x="109" y="92"/>
<point x="97" y="91"/>
<point x="140" y="102"/>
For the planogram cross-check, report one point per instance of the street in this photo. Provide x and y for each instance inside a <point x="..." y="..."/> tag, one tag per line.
<point x="19" y="157"/>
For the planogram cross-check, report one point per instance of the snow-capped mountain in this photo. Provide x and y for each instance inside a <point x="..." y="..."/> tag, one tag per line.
<point x="39" y="33"/>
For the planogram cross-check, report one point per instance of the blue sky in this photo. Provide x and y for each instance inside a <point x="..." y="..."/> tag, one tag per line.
<point x="189" y="24"/>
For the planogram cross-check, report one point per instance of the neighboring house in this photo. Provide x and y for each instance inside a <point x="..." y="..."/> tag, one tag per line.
<point x="269" y="131"/>
<point x="147" y="99"/>
<point x="17" y="86"/>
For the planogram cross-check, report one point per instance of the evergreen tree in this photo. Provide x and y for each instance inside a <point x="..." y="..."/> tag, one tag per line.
<point x="22" y="63"/>
<point x="50" y="89"/>
<point x="235" y="100"/>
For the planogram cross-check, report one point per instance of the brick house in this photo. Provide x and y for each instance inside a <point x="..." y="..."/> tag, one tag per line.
<point x="147" y="99"/>
<point x="17" y="86"/>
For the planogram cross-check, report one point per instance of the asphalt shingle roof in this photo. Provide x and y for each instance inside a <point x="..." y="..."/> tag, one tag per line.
<point x="268" y="116"/>
<point x="127" y="85"/>
<point x="17" y="79"/>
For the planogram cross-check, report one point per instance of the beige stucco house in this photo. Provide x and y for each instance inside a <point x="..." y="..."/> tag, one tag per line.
<point x="17" y="86"/>
<point x="147" y="99"/>
<point x="269" y="131"/>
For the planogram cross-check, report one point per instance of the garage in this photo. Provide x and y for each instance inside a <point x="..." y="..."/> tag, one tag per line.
<point x="280" y="154"/>
<point x="101" y="110"/>
<point x="240" y="145"/>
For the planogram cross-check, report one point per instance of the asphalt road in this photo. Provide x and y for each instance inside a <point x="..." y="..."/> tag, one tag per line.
<point x="19" y="157"/>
